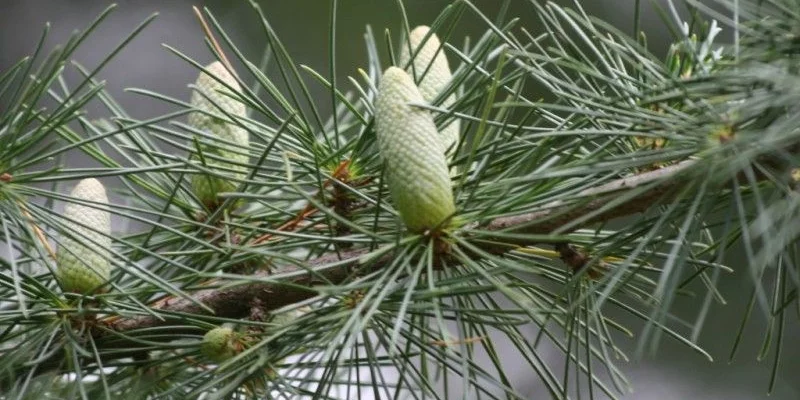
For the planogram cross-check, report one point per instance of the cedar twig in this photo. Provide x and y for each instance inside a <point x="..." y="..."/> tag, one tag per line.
<point x="234" y="302"/>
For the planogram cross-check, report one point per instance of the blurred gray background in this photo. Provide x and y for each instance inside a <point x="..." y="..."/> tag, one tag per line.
<point x="675" y="372"/>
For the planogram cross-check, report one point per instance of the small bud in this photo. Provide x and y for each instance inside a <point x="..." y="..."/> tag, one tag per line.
<point x="410" y="145"/>
<point x="228" y="157"/>
<point x="83" y="256"/>
<point x="435" y="79"/>
<point x="219" y="344"/>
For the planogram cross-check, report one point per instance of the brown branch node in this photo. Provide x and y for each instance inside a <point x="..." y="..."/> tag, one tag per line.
<point x="577" y="260"/>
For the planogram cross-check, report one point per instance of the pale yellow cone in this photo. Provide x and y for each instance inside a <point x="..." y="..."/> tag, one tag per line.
<point x="206" y="187"/>
<point x="435" y="80"/>
<point x="410" y="145"/>
<point x="83" y="256"/>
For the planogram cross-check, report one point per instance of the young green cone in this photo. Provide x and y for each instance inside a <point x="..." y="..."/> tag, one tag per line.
<point x="228" y="157"/>
<point x="410" y="145"/>
<point x="219" y="344"/>
<point x="435" y="79"/>
<point x="83" y="255"/>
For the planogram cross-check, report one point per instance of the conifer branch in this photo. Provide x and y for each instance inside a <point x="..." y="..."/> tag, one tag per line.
<point x="234" y="302"/>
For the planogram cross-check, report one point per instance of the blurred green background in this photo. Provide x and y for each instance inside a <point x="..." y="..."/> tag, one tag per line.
<point x="675" y="372"/>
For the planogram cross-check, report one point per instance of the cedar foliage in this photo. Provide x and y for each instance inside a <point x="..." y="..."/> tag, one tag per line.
<point x="307" y="261"/>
